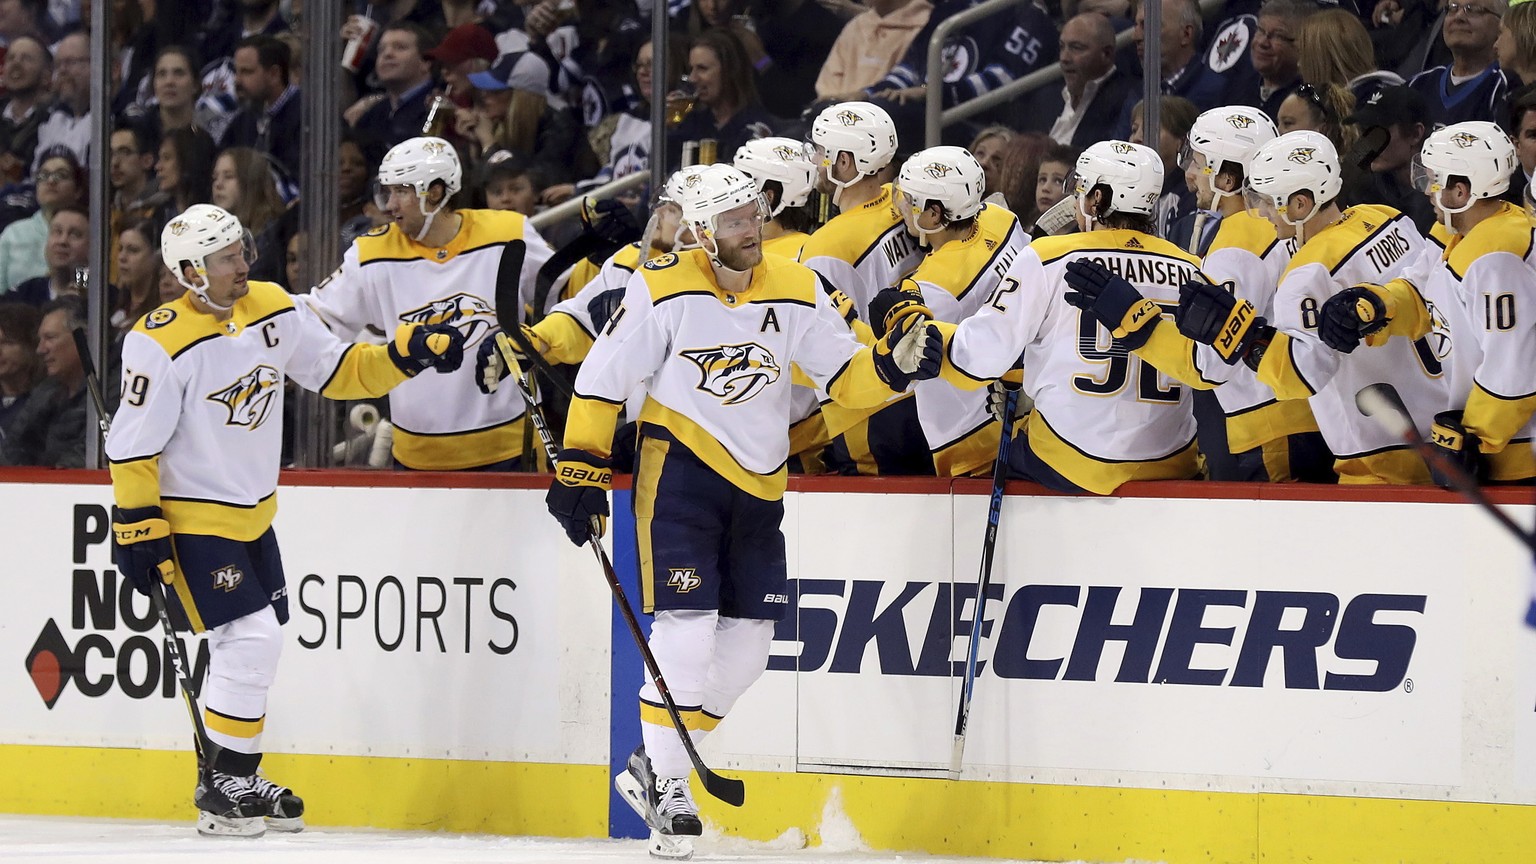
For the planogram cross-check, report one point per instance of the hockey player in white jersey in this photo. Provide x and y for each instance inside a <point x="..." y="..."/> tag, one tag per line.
<point x="434" y="264"/>
<point x="1483" y="285"/>
<point x="938" y="193"/>
<point x="1102" y="416"/>
<point x="1294" y="182"/>
<point x="718" y="331"/>
<point x="195" y="447"/>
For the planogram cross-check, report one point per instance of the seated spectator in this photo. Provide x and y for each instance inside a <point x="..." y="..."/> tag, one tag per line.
<point x="27" y="70"/>
<point x="22" y="19"/>
<point x="293" y="262"/>
<point x="20" y="369"/>
<point x="1403" y="113"/>
<point x="49" y="430"/>
<point x="176" y="88"/>
<point x="988" y="147"/>
<point x="597" y="51"/>
<point x="509" y="183"/>
<point x="138" y="275"/>
<point x="1472" y="86"/>
<point x="1516" y="46"/>
<point x="1522" y="126"/>
<point x="60" y="183"/>
<point x="869" y="46"/>
<point x="1094" y="92"/>
<point x="243" y="185"/>
<point x="1051" y="181"/>
<point x="1021" y="167"/>
<point x="170" y="287"/>
<point x="1182" y="69"/>
<point x="68" y="123"/>
<point x="1334" y="48"/>
<point x="512" y="113"/>
<point x="1273" y="55"/>
<point x="406" y="76"/>
<point x="1177" y="117"/>
<point x="1406" y="34"/>
<point x="269" y="119"/>
<point x="357" y="163"/>
<point x="727" y="109"/>
<point x="1320" y="108"/>
<point x="132" y="153"/>
<point x="184" y="171"/>
<point x="68" y="250"/>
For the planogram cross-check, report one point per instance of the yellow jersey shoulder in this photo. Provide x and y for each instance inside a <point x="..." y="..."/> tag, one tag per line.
<point x="1509" y="230"/>
<point x="1245" y="231"/>
<point x="1337" y="242"/>
<point x="788" y="245"/>
<point x="484" y="227"/>
<point x="1108" y="240"/>
<point x="954" y="266"/>
<point x="775" y="279"/>
<point x="783" y="279"/>
<point x="177" y="325"/>
<point x="849" y="234"/>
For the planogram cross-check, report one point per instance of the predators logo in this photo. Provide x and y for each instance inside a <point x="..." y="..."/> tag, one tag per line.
<point x="1239" y="121"/>
<point x="786" y="153"/>
<point x="1120" y="147"/>
<point x="436" y="148"/>
<point x="1464" y="139"/>
<point x="177" y="228"/>
<point x="472" y="315"/>
<point x="1302" y="155"/>
<point x="692" y="180"/>
<point x="250" y="399"/>
<point x="849" y="118"/>
<point x="734" y="373"/>
<point x="937" y="170"/>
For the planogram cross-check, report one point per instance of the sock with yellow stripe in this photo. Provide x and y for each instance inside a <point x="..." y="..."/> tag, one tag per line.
<point x="242" y="664"/>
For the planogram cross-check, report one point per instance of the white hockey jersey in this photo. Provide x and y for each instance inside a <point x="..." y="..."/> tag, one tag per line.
<point x="863" y="251"/>
<point x="199" y="429"/>
<point x="442" y="422"/>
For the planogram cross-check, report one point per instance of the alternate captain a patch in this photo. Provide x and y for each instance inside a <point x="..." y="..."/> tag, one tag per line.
<point x="250" y="399"/>
<point x="734" y="373"/>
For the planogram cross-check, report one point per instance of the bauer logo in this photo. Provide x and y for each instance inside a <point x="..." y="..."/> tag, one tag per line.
<point x="110" y="639"/>
<point x="1295" y="640"/>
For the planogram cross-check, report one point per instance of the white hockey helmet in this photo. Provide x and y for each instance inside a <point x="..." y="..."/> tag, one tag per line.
<point x="949" y="175"/>
<point x="1133" y="173"/>
<point x="190" y="238"/>
<point x="781" y="159"/>
<point x="1303" y="161"/>
<point x="418" y="163"/>
<point x="672" y="190"/>
<point x="1478" y="151"/>
<point x="863" y="130"/>
<point x="1229" y="134"/>
<point x="717" y="190"/>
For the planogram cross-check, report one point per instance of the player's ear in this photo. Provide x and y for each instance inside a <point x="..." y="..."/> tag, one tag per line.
<point x="189" y="273"/>
<point x="1300" y="206"/>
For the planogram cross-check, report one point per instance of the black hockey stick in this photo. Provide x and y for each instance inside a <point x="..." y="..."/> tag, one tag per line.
<point x="206" y="749"/>
<point x="1381" y="403"/>
<point x="983" y="581"/>
<point x="508" y="298"/>
<point x="731" y="791"/>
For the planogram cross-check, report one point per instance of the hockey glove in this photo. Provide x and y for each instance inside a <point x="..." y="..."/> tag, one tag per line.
<point x="491" y="367"/>
<point x="1459" y="446"/>
<point x="913" y="351"/>
<point x="610" y="220"/>
<point x="579" y="493"/>
<point x="1349" y="316"/>
<point x="1117" y="304"/>
<point x="997" y="395"/>
<point x="427" y="346"/>
<point x="141" y="546"/>
<point x="892" y="306"/>
<point x="844" y="306"/>
<point x="1211" y="315"/>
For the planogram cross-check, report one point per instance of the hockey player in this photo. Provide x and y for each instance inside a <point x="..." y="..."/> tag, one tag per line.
<point x="1294" y="181"/>
<point x="1268" y="439"/>
<point x="434" y="264"/>
<point x="717" y="331"/>
<point x="861" y="251"/>
<point x="938" y="193"/>
<point x="1483" y="285"/>
<point x="1101" y="415"/>
<point x="202" y="381"/>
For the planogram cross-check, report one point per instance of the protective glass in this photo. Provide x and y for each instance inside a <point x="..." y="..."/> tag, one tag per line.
<point x="1074" y="184"/>
<point x="1257" y="203"/>
<point x="226" y="262"/>
<point x="1423" y="179"/>
<point x="381" y="193"/>
<point x="741" y="221"/>
<point x="1530" y="202"/>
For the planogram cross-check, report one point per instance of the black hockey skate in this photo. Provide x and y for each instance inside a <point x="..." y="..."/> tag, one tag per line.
<point x="227" y="806"/>
<point x="284" y="811"/>
<point x="666" y="807"/>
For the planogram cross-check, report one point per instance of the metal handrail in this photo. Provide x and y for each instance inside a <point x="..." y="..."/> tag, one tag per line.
<point x="571" y="207"/>
<point x="934" y="80"/>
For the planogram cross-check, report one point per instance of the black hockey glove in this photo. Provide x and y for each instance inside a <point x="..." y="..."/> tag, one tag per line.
<point x="141" y="546"/>
<point x="912" y="351"/>
<point x="1349" y="316"/>
<point x="491" y="366"/>
<point x="1116" y="303"/>
<point x="609" y="219"/>
<point x="1211" y="315"/>
<point x="579" y="492"/>
<point x="427" y="346"/>
<point x="1460" y="446"/>
<point x="892" y="306"/>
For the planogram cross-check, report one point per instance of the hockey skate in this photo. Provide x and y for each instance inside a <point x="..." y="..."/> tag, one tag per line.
<point x="668" y="810"/>
<point x="227" y="806"/>
<point x="284" y="811"/>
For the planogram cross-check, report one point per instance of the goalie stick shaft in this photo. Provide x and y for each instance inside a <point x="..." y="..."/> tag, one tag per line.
<point x="983" y="582"/>
<point x="727" y="789"/>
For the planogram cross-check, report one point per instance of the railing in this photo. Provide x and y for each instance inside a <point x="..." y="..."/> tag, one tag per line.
<point x="570" y="208"/>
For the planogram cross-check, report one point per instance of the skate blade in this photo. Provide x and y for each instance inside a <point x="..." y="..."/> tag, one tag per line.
<point x="633" y="794"/>
<point x="670" y="847"/>
<point x="213" y="825"/>
<point x="287" y="826"/>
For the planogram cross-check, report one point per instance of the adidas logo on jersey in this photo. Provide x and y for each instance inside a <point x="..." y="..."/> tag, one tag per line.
<point x="1133" y="243"/>
<point x="684" y="579"/>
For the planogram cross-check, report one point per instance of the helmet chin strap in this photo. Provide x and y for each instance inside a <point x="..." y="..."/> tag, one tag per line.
<point x="837" y="194"/>
<point x="426" y="224"/>
<point x="1088" y="217"/>
<point x="201" y="292"/>
<point x="1447" y="213"/>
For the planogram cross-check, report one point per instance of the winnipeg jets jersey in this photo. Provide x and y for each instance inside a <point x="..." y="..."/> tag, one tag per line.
<point x="1375" y="244"/>
<point x="442" y="422"/>
<point x="1102" y="415"/>
<point x="955" y="279"/>
<point x="720" y="364"/>
<point x="199" y="429"/>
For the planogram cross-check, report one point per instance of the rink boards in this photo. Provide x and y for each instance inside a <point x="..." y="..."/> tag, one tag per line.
<point x="1258" y="677"/>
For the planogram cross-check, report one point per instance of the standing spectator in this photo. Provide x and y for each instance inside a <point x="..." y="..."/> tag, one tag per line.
<point x="68" y="123"/>
<point x="1094" y="90"/>
<point x="269" y="120"/>
<point x="20" y="369"/>
<point x="49" y="430"/>
<point x="406" y="77"/>
<point x="1274" y="56"/>
<point x="138" y="275"/>
<point x="27" y="70"/>
<point x="1472" y="87"/>
<point x="1334" y="48"/>
<point x="512" y="113"/>
<point x="67" y="250"/>
<point x="727" y="109"/>
<point x="1182" y="70"/>
<point x="869" y="46"/>
<point x="60" y="183"/>
<point x="1404" y="114"/>
<point x="184" y="171"/>
<point x="242" y="184"/>
<point x="791" y="41"/>
<point x="1516" y="46"/>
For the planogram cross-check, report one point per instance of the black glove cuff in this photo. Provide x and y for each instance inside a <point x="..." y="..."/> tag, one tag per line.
<point x="1259" y="337"/>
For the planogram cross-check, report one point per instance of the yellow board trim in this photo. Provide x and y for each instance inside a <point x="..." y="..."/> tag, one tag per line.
<point x="400" y="794"/>
<point x="231" y="726"/>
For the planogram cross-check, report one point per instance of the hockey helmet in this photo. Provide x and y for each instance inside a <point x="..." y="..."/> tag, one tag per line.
<point x="1133" y="173"/>
<point x="949" y="175"/>
<point x="710" y="194"/>
<point x="1228" y="134"/>
<point x="863" y="130"/>
<point x="1302" y="161"/>
<point x="1477" y="150"/>
<point x="781" y="159"/>
<point x="418" y="163"/>
<point x="195" y="237"/>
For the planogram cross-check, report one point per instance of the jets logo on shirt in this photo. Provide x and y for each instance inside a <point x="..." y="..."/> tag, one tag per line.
<point x="472" y="315"/>
<point x="959" y="59"/>
<point x="734" y="373"/>
<point x="684" y="579"/>
<point x="250" y="399"/>
<point x="228" y="578"/>
<point x="1302" y="155"/>
<point x="1230" y="45"/>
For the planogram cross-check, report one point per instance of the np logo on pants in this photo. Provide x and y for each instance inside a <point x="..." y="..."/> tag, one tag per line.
<point x="684" y="579"/>
<point x="228" y="578"/>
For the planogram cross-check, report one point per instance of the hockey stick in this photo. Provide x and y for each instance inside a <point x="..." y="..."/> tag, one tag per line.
<point x="729" y="790"/>
<point x="508" y="274"/>
<point x="206" y="749"/>
<point x="1381" y="403"/>
<point x="983" y="581"/>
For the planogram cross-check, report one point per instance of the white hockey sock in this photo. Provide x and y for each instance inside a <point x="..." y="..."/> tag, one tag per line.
<point x="683" y="643"/>
<point x="242" y="663"/>
<point x="741" y="655"/>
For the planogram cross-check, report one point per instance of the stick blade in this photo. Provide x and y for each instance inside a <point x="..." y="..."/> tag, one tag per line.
<point x="509" y="277"/>
<point x="729" y="790"/>
<point x="1381" y="403"/>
